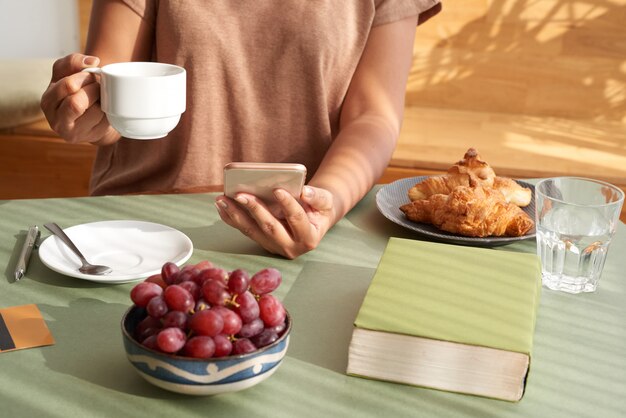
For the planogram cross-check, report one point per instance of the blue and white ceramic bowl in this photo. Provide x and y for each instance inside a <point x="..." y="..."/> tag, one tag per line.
<point x="201" y="376"/>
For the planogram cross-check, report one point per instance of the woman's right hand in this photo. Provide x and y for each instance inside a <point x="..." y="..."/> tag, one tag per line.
<point x="71" y="103"/>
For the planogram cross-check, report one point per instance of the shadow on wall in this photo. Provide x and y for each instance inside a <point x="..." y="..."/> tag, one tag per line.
<point x="562" y="59"/>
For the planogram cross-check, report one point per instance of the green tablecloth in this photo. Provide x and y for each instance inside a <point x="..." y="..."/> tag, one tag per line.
<point x="579" y="358"/>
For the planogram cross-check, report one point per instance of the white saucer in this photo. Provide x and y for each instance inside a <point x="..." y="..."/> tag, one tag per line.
<point x="133" y="249"/>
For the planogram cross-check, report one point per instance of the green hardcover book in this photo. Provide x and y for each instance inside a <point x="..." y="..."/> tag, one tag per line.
<point x="449" y="317"/>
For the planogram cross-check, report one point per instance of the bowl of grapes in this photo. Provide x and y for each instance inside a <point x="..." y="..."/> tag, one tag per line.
<point x="202" y="330"/>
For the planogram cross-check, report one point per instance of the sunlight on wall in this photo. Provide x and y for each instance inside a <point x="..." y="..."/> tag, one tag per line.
<point x="552" y="58"/>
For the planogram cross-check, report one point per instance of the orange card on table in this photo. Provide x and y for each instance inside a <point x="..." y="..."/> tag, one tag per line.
<point x="23" y="327"/>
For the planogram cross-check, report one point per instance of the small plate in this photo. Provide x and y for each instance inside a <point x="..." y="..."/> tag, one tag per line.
<point x="393" y="195"/>
<point x="133" y="249"/>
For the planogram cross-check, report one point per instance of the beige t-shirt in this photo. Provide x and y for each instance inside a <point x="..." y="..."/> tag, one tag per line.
<point x="265" y="82"/>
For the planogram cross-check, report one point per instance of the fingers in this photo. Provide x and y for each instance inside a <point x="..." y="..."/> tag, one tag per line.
<point x="255" y="221"/>
<point x="78" y="114"/>
<point x="294" y="215"/>
<point x="92" y="125"/>
<point x="70" y="102"/>
<point x="267" y="226"/>
<point x="72" y="64"/>
<point x="319" y="199"/>
<point x="75" y="105"/>
<point x="67" y="79"/>
<point x="65" y="87"/>
<point x="304" y="222"/>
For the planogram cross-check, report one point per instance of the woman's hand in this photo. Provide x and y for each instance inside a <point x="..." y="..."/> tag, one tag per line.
<point x="71" y="102"/>
<point x="287" y="227"/>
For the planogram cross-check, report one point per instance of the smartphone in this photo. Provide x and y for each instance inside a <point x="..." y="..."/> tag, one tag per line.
<point x="260" y="179"/>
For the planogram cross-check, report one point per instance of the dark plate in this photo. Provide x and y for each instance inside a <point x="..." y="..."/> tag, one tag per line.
<point x="393" y="195"/>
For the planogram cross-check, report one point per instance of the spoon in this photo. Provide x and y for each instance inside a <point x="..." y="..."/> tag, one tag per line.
<point x="86" y="268"/>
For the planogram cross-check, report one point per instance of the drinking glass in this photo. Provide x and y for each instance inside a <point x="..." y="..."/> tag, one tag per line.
<point x="576" y="219"/>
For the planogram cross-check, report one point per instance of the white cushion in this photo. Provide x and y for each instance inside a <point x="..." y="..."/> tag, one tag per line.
<point x="22" y="82"/>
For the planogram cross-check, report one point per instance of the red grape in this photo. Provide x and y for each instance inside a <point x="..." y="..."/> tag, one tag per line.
<point x="150" y="342"/>
<point x="143" y="292"/>
<point x="266" y="337"/>
<point x="147" y="327"/>
<point x="243" y="346"/>
<point x="169" y="271"/>
<point x="190" y="267"/>
<point x="199" y="346"/>
<point x="280" y="328"/>
<point x="215" y="292"/>
<point x="178" y="298"/>
<point x="176" y="319"/>
<point x="204" y="265"/>
<point x="238" y="281"/>
<point x="170" y="340"/>
<point x="232" y="321"/>
<point x="248" y="308"/>
<point x="192" y="288"/>
<point x="252" y="328"/>
<point x="157" y="307"/>
<point x="206" y="322"/>
<point x="265" y="281"/>
<point x="156" y="278"/>
<point x="272" y="311"/>
<point x="184" y="276"/>
<point x="212" y="273"/>
<point x="223" y="345"/>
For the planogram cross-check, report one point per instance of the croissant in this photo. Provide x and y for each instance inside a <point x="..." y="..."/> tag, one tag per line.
<point x="473" y="172"/>
<point x="472" y="212"/>
<point x="470" y="171"/>
<point x="437" y="185"/>
<point x="513" y="192"/>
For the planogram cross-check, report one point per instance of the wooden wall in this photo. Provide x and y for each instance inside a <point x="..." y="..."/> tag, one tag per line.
<point x="84" y="10"/>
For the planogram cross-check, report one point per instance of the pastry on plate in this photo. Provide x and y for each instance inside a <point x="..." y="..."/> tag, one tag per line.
<point x="471" y="171"/>
<point x="470" y="211"/>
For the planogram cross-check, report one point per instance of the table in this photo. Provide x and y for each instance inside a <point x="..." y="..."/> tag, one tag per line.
<point x="578" y="367"/>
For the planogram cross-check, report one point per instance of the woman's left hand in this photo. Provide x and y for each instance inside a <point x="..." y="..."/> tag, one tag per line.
<point x="287" y="226"/>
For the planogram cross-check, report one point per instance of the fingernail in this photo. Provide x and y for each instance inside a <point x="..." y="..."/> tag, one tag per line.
<point x="91" y="61"/>
<point x="221" y="204"/>
<point x="241" y="200"/>
<point x="279" y="194"/>
<point x="307" y="191"/>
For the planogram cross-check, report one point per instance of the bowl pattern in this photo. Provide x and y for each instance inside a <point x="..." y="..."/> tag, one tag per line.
<point x="201" y="376"/>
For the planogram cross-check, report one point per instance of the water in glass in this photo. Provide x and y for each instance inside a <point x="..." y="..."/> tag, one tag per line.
<point x="573" y="243"/>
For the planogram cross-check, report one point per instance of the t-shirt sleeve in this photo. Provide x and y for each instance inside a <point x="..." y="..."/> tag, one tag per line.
<point x="146" y="9"/>
<point x="392" y="10"/>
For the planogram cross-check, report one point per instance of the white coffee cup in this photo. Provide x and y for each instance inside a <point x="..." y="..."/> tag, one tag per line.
<point x="142" y="100"/>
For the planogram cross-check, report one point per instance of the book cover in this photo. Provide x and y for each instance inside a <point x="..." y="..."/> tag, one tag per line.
<point x="449" y="317"/>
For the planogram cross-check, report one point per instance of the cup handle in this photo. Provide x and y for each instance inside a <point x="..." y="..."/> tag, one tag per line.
<point x="93" y="70"/>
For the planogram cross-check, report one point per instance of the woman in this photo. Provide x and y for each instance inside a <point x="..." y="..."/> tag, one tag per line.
<point x="320" y="83"/>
